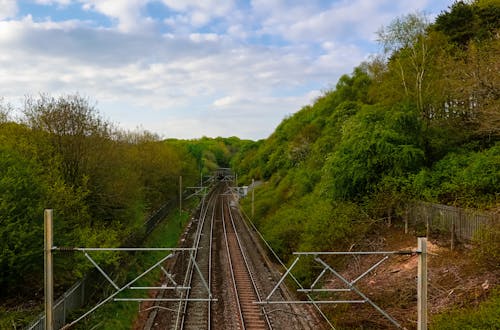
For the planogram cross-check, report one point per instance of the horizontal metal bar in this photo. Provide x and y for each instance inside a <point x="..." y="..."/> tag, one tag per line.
<point x="323" y="290"/>
<point x="309" y="302"/>
<point x="355" y="252"/>
<point x="164" y="299"/>
<point x="160" y="288"/>
<point x="122" y="249"/>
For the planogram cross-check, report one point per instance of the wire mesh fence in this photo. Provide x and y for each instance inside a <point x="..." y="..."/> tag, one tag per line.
<point x="82" y="291"/>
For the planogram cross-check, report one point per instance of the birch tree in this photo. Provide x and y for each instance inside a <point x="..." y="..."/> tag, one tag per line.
<point x="405" y="43"/>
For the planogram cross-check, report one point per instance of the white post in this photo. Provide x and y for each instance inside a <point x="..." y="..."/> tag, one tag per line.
<point x="49" y="279"/>
<point x="422" y="284"/>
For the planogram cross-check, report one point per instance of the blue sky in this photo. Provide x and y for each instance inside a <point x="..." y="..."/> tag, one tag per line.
<point x="191" y="68"/>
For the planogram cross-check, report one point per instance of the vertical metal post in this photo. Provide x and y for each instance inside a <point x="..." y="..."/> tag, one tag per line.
<point x="452" y="243"/>
<point x="180" y="194"/>
<point x="422" y="284"/>
<point x="253" y="197"/>
<point x="406" y="221"/>
<point x="49" y="276"/>
<point x="66" y="297"/>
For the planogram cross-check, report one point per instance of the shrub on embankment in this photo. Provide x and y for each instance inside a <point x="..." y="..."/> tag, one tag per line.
<point x="100" y="182"/>
<point x="419" y="122"/>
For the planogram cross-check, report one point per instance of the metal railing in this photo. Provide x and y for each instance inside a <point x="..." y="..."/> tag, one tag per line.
<point x="82" y="291"/>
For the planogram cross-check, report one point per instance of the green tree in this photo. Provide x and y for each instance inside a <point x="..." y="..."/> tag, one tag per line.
<point x="375" y="142"/>
<point x="404" y="40"/>
<point x="75" y="129"/>
<point x="469" y="21"/>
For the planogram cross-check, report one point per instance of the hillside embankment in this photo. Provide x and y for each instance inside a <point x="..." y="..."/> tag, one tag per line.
<point x="456" y="280"/>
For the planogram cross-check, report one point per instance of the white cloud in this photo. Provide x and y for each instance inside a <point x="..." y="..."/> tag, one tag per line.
<point x="196" y="13"/>
<point x="201" y="37"/>
<point x="192" y="78"/>
<point x="8" y="9"/>
<point x="128" y="14"/>
<point x="211" y="7"/>
<point x="340" y="20"/>
<point x="53" y="2"/>
<point x="227" y="101"/>
<point x="166" y="75"/>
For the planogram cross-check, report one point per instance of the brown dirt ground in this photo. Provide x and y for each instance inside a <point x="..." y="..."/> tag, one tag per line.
<point x="454" y="280"/>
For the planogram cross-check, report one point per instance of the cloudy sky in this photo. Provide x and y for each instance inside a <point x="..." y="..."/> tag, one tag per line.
<point x="190" y="68"/>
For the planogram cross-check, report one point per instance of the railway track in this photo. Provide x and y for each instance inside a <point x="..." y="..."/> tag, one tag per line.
<point x="196" y="314"/>
<point x="222" y="278"/>
<point x="246" y="291"/>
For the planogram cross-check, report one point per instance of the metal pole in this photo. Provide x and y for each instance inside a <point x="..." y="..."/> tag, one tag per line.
<point x="427" y="224"/>
<point x="406" y="221"/>
<point x="49" y="276"/>
<point x="422" y="284"/>
<point x="452" y="247"/>
<point x="253" y="197"/>
<point x="180" y="194"/>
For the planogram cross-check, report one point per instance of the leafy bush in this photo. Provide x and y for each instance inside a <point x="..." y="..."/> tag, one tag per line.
<point x="465" y="178"/>
<point x="487" y="246"/>
<point x="331" y="226"/>
<point x="375" y="143"/>
<point x="484" y="316"/>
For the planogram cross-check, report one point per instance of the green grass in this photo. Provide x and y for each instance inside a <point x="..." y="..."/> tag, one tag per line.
<point x="12" y="319"/>
<point x="121" y="315"/>
<point x="484" y="316"/>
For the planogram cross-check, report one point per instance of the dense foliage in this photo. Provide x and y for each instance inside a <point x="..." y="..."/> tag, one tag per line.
<point x="484" y="316"/>
<point x="421" y="121"/>
<point x="212" y="153"/>
<point x="100" y="181"/>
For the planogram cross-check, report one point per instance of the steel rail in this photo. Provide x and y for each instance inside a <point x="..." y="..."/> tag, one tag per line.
<point x="153" y="315"/>
<point x="181" y="314"/>
<point x="209" y="321"/>
<point x="245" y="260"/>
<point x="231" y="269"/>
<point x="316" y="306"/>
<point x="190" y="268"/>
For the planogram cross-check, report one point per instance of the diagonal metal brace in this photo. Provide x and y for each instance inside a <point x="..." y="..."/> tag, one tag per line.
<point x="126" y="286"/>
<point x="353" y="288"/>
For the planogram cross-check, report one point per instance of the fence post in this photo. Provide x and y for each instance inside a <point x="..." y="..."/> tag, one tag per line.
<point x="83" y="280"/>
<point x="49" y="279"/>
<point x="180" y="195"/>
<point x="422" y="284"/>
<point x="65" y="311"/>
<point x="406" y="220"/>
<point x="452" y="233"/>
<point x="427" y="222"/>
